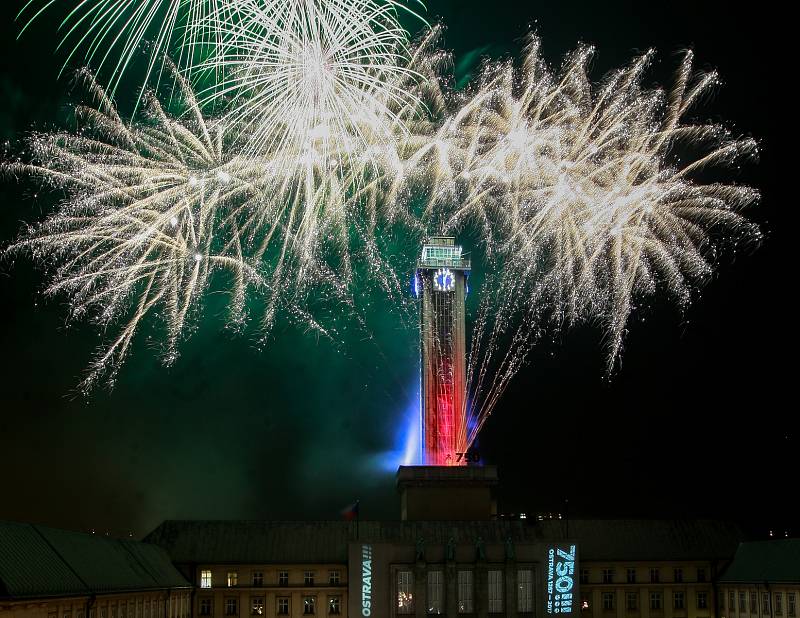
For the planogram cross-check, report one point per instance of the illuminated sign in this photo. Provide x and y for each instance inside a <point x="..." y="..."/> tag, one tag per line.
<point x="561" y="589"/>
<point x="366" y="580"/>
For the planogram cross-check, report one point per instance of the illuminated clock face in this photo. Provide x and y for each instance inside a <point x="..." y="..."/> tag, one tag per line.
<point x="443" y="280"/>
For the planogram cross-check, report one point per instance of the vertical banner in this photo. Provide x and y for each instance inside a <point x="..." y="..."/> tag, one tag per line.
<point x="561" y="594"/>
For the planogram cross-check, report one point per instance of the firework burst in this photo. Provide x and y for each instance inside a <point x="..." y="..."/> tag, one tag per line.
<point x="590" y="198"/>
<point x="143" y="225"/>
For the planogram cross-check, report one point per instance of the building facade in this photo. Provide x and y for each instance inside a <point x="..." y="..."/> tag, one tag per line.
<point x="651" y="568"/>
<point x="763" y="581"/>
<point x="49" y="573"/>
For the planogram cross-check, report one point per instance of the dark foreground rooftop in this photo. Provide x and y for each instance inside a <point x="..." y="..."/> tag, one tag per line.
<point x="202" y="541"/>
<point x="36" y="561"/>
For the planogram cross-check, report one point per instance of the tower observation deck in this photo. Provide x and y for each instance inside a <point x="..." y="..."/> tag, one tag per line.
<point x="441" y="283"/>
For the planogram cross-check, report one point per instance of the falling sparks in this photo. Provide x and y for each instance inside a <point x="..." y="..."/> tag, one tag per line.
<point x="333" y="136"/>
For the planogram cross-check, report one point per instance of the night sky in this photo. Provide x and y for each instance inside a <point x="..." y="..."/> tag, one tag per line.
<point x="699" y="421"/>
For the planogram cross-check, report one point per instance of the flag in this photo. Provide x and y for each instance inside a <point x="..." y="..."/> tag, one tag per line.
<point x="351" y="512"/>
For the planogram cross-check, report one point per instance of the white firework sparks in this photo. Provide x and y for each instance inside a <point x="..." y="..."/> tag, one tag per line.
<point x="591" y="199"/>
<point x="142" y="228"/>
<point x="109" y="34"/>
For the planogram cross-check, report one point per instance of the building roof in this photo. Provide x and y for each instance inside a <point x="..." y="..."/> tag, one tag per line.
<point x="326" y="541"/>
<point x="36" y="562"/>
<point x="649" y="539"/>
<point x="765" y="561"/>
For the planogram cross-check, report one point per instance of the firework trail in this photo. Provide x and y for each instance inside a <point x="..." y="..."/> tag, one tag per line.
<point x="109" y="34"/>
<point x="336" y="134"/>
<point x="590" y="198"/>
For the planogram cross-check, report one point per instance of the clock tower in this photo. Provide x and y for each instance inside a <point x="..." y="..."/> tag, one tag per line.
<point x="441" y="285"/>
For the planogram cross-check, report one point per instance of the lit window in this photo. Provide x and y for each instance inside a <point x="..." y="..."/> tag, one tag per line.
<point x="584" y="576"/>
<point x="525" y="590"/>
<point x="701" y="574"/>
<point x="258" y="578"/>
<point x="309" y="606"/>
<point x="231" y="607"/>
<point x="631" y="576"/>
<point x="405" y="592"/>
<point x="205" y="607"/>
<point x="465" y="601"/>
<point x="655" y="600"/>
<point x="257" y="606"/>
<point x="283" y="578"/>
<point x="334" y="606"/>
<point x="654" y="576"/>
<point x="308" y="578"/>
<point x="790" y="604"/>
<point x="778" y="604"/>
<point x="677" y="575"/>
<point x="495" y="592"/>
<point x="678" y="600"/>
<point x="631" y="601"/>
<point x="205" y="579"/>
<point x="283" y="606"/>
<point x="702" y="600"/>
<point x="435" y="592"/>
<point x="608" y="601"/>
<point x="233" y="579"/>
<point x="333" y="578"/>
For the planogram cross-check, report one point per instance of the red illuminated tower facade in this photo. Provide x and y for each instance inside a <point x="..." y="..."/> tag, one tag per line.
<point x="441" y="284"/>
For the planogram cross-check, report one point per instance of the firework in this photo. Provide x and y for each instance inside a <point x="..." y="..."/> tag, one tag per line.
<point x="108" y="34"/>
<point x="142" y="228"/>
<point x="590" y="199"/>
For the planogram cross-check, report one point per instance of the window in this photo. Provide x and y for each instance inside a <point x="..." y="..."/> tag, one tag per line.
<point x="205" y="607"/>
<point x="631" y="576"/>
<point x="732" y="602"/>
<point x="765" y="602"/>
<point x="632" y="601"/>
<point x="702" y="600"/>
<point x="434" y="603"/>
<point x="584" y="576"/>
<point x="608" y="576"/>
<point x="283" y="606"/>
<point x="309" y="606"/>
<point x="753" y="603"/>
<point x="778" y="604"/>
<point x="525" y="590"/>
<point x="233" y="579"/>
<point x="654" y="576"/>
<point x="258" y="578"/>
<point x="655" y="601"/>
<point x="257" y="606"/>
<point x="608" y="600"/>
<point x="742" y="602"/>
<point x="308" y="578"/>
<point x="333" y="578"/>
<point x="677" y="575"/>
<point x="465" y="601"/>
<point x="701" y="574"/>
<point x="231" y="607"/>
<point x="678" y="600"/>
<point x="334" y="605"/>
<point x="790" y="604"/>
<point x="405" y="592"/>
<point x="495" y="592"/>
